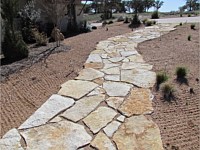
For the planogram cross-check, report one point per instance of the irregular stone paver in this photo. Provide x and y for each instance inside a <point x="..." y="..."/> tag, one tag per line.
<point x="128" y="53"/>
<point x="102" y="142"/>
<point x="111" y="71"/>
<point x="136" y="58"/>
<point x="99" y="118"/>
<point x="121" y="118"/>
<point x="61" y="135"/>
<point x="112" y="77"/>
<point x="54" y="105"/>
<point x="94" y="65"/>
<point x="94" y="58"/>
<point x="139" y="77"/>
<point x="96" y="91"/>
<point x="83" y="107"/>
<point x="114" y="102"/>
<point x="110" y="65"/>
<point x="131" y="65"/>
<point x="111" y="128"/>
<point x="116" y="88"/>
<point x="76" y="88"/>
<point x="11" y="141"/>
<point x="138" y="133"/>
<point x="90" y="74"/>
<point x="116" y="59"/>
<point x="138" y="102"/>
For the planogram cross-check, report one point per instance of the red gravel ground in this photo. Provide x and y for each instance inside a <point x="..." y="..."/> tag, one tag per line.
<point x="178" y="120"/>
<point x="25" y="91"/>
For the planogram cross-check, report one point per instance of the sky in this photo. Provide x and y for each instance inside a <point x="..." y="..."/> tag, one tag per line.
<point x="171" y="5"/>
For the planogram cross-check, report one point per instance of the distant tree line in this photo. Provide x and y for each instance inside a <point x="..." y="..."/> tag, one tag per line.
<point x="190" y="5"/>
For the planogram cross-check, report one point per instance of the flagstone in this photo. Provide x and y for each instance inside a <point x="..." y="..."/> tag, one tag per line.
<point x="114" y="102"/>
<point x="94" y="58"/>
<point x="102" y="142"/>
<point x="77" y="88"/>
<point x="116" y="88"/>
<point x="98" y="51"/>
<point x="138" y="102"/>
<point x="95" y="65"/>
<point x="11" y="141"/>
<point x="114" y="54"/>
<point x="116" y="59"/>
<point x="53" y="106"/>
<point x="138" y="133"/>
<point x="90" y="74"/>
<point x="99" y="118"/>
<point x="128" y="53"/>
<point x="111" y="71"/>
<point x="111" y="128"/>
<point x="99" y="81"/>
<point x="61" y="135"/>
<point x="97" y="91"/>
<point x="110" y="65"/>
<point x="83" y="107"/>
<point x="136" y="58"/>
<point x="121" y="118"/>
<point x="132" y="65"/>
<point x="139" y="77"/>
<point x="112" y="77"/>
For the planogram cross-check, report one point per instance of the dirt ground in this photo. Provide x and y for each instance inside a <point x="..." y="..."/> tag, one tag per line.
<point x="26" y="90"/>
<point x="178" y="120"/>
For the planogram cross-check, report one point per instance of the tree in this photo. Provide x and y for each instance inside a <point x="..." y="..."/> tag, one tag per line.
<point x="137" y="6"/>
<point x="192" y="5"/>
<point x="158" y="4"/>
<point x="148" y="4"/>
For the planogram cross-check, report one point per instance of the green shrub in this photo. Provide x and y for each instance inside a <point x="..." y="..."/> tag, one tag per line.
<point x="154" y="15"/>
<point x="126" y="20"/>
<point x="154" y="22"/>
<point x="144" y="21"/>
<point x="189" y="37"/>
<point x="110" y="22"/>
<point x="168" y="92"/>
<point x="192" y="26"/>
<point x="135" y="22"/>
<point x="181" y="24"/>
<point x="41" y="38"/>
<point x="181" y="15"/>
<point x="161" y="78"/>
<point x="181" y="72"/>
<point x="22" y="49"/>
<point x="149" y="23"/>
<point x="189" y="15"/>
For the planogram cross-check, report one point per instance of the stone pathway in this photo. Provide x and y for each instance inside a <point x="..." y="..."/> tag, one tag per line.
<point x="103" y="108"/>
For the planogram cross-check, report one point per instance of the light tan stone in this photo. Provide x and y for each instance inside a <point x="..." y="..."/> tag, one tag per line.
<point x="138" y="133"/>
<point x="114" y="102"/>
<point x="77" y="88"/>
<point x="95" y="65"/>
<point x="61" y="135"/>
<point x="83" y="107"/>
<point x="99" y="118"/>
<point x="111" y="71"/>
<point x="111" y="128"/>
<point x="138" y="102"/>
<point x="132" y="65"/>
<point x="102" y="142"/>
<point x="136" y="58"/>
<point x="98" y="81"/>
<point x="89" y="74"/>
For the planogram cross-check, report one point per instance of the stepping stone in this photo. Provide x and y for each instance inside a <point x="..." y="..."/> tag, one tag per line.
<point x="136" y="58"/>
<point x="121" y="118"/>
<point x="128" y="53"/>
<point x="90" y="74"/>
<point x="53" y="106"/>
<point x="98" y="52"/>
<point x="139" y="77"/>
<point x="132" y="65"/>
<point x="99" y="118"/>
<point x="102" y="142"/>
<point x="114" y="102"/>
<point x="11" y="141"/>
<point x="61" y="135"/>
<point x="116" y="88"/>
<point x="94" y="58"/>
<point x="83" y="107"/>
<point x="111" y="128"/>
<point x="142" y="134"/>
<point x="97" y="91"/>
<point x="138" y="102"/>
<point x="110" y="65"/>
<point x="94" y="65"/>
<point x="112" y="77"/>
<point x="111" y="71"/>
<point x="77" y="88"/>
<point x="116" y="59"/>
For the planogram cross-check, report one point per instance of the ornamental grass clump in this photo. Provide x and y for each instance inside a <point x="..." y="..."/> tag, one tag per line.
<point x="181" y="72"/>
<point x="168" y="92"/>
<point x="189" y="37"/>
<point x="192" y="26"/>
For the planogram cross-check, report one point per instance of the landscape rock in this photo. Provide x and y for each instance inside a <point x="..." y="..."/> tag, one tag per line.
<point x="111" y="128"/>
<point x="90" y="74"/>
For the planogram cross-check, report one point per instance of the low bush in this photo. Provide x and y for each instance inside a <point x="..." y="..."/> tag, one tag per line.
<point x="181" y="72"/>
<point x="126" y="20"/>
<point x="135" y="22"/>
<point x="94" y="27"/>
<point x="155" y="15"/>
<point x="161" y="78"/>
<point x="41" y="38"/>
<point x="120" y="19"/>
<point x="168" y="92"/>
<point x="189" y="37"/>
<point x="189" y="15"/>
<point x="110" y="22"/>
<point x="192" y="26"/>
<point x="144" y="21"/>
<point x="181" y="15"/>
<point x="181" y="24"/>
